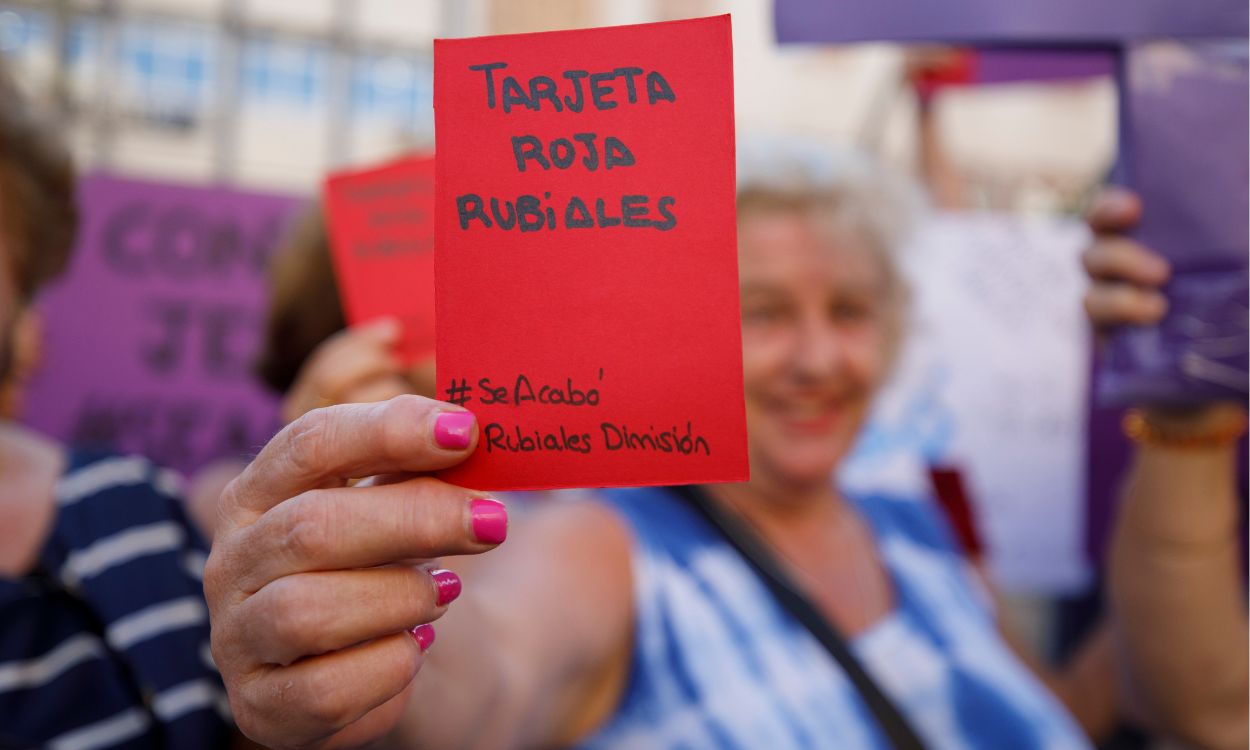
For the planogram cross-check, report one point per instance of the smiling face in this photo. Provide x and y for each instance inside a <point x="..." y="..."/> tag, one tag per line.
<point x="820" y="312"/>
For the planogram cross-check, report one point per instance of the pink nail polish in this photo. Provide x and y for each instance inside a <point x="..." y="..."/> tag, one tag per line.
<point x="490" y="521"/>
<point x="448" y="585"/>
<point x="454" y="429"/>
<point x="424" y="636"/>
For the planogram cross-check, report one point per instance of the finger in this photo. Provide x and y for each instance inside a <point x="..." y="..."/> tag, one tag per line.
<point x="331" y="445"/>
<point x="353" y="368"/>
<point x="350" y="355"/>
<point x="383" y="330"/>
<point x="1114" y="209"/>
<point x="338" y="379"/>
<point x="359" y="527"/>
<point x="381" y="334"/>
<point x="382" y="388"/>
<point x="308" y="614"/>
<point x="332" y="691"/>
<point x="1122" y="259"/>
<point x="1120" y="304"/>
<point x="373" y="726"/>
<point x="371" y="342"/>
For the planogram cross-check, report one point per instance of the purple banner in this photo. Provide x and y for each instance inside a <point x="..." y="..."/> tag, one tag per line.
<point x="150" y="336"/>
<point x="1034" y="22"/>
<point x="1183" y="148"/>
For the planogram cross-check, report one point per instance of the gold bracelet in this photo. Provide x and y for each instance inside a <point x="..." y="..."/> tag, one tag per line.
<point x="1141" y="429"/>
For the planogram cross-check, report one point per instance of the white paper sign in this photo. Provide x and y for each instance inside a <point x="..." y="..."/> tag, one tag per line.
<point x="993" y="381"/>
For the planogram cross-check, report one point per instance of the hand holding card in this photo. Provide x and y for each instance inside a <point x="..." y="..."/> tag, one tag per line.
<point x="586" y="263"/>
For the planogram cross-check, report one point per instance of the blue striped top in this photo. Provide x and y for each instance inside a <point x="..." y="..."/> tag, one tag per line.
<point x="718" y="664"/>
<point x="105" y="643"/>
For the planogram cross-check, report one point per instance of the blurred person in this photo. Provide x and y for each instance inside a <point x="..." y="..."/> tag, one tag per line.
<point x="103" y="627"/>
<point x="1174" y="558"/>
<point x="655" y="617"/>
<point x="309" y="355"/>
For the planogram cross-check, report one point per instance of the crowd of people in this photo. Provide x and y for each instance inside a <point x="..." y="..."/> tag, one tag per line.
<point x="781" y="612"/>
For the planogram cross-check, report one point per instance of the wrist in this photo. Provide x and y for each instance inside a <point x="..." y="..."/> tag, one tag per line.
<point x="1214" y="426"/>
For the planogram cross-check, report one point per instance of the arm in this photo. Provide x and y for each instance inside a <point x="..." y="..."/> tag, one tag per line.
<point x="1176" y="594"/>
<point x="1177" y="600"/>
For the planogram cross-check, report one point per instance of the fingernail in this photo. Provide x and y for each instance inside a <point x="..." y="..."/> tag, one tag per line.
<point x="424" y="636"/>
<point x="448" y="585"/>
<point x="454" y="429"/>
<point x="490" y="521"/>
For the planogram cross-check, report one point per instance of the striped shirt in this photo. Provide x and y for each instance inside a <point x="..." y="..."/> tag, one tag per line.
<point x="719" y="664"/>
<point x="105" y="643"/>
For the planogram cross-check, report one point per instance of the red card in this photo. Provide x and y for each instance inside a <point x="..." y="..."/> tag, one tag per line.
<point x="381" y="229"/>
<point x="586" y="256"/>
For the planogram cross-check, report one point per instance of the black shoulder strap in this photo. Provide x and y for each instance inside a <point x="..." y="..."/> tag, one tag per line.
<point x="761" y="558"/>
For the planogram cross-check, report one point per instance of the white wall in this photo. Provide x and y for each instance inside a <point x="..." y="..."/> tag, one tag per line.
<point x="1022" y="146"/>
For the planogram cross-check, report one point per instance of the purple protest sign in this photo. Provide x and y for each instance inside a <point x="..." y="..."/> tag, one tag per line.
<point x="149" y="337"/>
<point x="1036" y="22"/>
<point x="1185" y="115"/>
<point x="1184" y="118"/>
